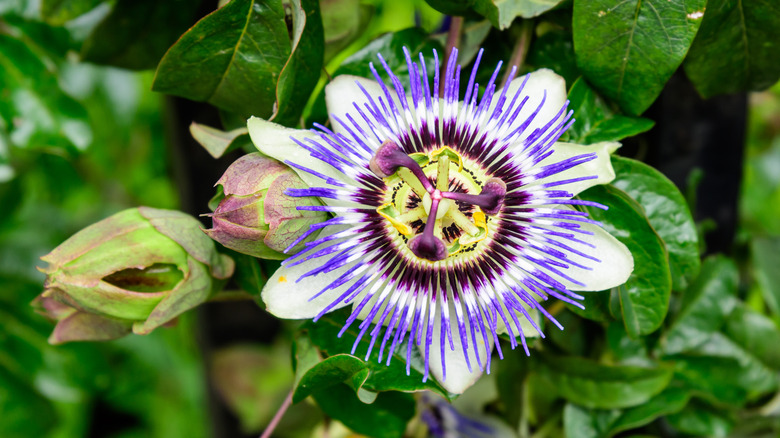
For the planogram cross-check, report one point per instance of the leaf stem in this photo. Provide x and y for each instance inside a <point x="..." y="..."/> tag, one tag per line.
<point x="453" y="38"/>
<point x="521" y="49"/>
<point x="278" y="416"/>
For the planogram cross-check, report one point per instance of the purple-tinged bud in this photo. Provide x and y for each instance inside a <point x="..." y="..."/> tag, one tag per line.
<point x="132" y="272"/>
<point x="256" y="217"/>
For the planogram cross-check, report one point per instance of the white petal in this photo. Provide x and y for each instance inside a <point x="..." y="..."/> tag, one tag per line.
<point x="458" y="377"/>
<point x="275" y="141"/>
<point x="613" y="270"/>
<point x="539" y="82"/>
<point x="288" y="298"/>
<point x="601" y="166"/>
<point x="340" y="95"/>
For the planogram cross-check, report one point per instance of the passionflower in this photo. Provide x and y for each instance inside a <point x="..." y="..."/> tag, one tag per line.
<point x="451" y="220"/>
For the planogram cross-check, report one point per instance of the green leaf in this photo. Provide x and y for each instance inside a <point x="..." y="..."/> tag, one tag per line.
<point x="385" y="418"/>
<point x="231" y="58"/>
<point x="554" y="49"/>
<point x="626" y="351"/>
<point x="300" y="74"/>
<point x="503" y="12"/>
<point x="596" y="385"/>
<point x="58" y="12"/>
<point x="580" y="422"/>
<point x="324" y="334"/>
<point x="736" y="48"/>
<point x="699" y="419"/>
<point x="35" y="112"/>
<point x="765" y="253"/>
<point x="217" y="142"/>
<point x="250" y="275"/>
<point x="644" y="298"/>
<point x="136" y="34"/>
<point x="628" y="50"/>
<point x="342" y="22"/>
<point x="313" y="374"/>
<point x="595" y="122"/>
<point x="710" y="377"/>
<point x="756" y="333"/>
<point x="596" y="307"/>
<point x="705" y="306"/>
<point x="668" y="213"/>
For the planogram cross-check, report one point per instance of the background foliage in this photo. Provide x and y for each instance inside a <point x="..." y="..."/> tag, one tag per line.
<point x="89" y="126"/>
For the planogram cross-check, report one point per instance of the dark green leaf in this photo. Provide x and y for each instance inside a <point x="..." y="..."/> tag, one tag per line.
<point x="644" y="298"/>
<point x="668" y="213"/>
<point x="756" y="333"/>
<point x="136" y="34"/>
<point x="765" y="253"/>
<point x="451" y="7"/>
<point x="249" y="274"/>
<point x="595" y="122"/>
<point x="300" y="74"/>
<point x="57" y="12"/>
<point x="596" y="306"/>
<point x="580" y="422"/>
<point x="231" y="59"/>
<point x="385" y="418"/>
<point x="626" y="351"/>
<point x="699" y="419"/>
<point x="736" y="48"/>
<point x="754" y="377"/>
<point x="596" y="385"/>
<point x="711" y="377"/>
<point x="503" y="12"/>
<point x="324" y="334"/>
<point x="628" y="50"/>
<point x="554" y="50"/>
<point x="313" y="374"/>
<point x="705" y="306"/>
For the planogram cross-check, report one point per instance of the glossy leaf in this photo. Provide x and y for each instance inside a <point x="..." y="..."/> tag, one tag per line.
<point x="231" y="58"/>
<point x="342" y="22"/>
<point x="595" y="121"/>
<point x="136" y="34"/>
<point x="628" y="50"/>
<point x="765" y="253"/>
<point x="644" y="298"/>
<point x="580" y="422"/>
<point x="668" y="213"/>
<point x="324" y="334"/>
<point x="734" y="49"/>
<point x="624" y="349"/>
<point x="756" y="333"/>
<point x="314" y="374"/>
<point x="699" y="419"/>
<point x="596" y="385"/>
<point x="503" y="12"/>
<point x="554" y="49"/>
<point x="710" y="377"/>
<point x="596" y="306"/>
<point x="385" y="418"/>
<point x="705" y="306"/>
<point x="302" y="70"/>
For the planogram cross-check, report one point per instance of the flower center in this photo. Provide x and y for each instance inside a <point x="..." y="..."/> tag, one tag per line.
<point x="435" y="202"/>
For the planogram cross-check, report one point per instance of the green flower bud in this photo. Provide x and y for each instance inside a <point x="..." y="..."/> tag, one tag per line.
<point x="131" y="272"/>
<point x="256" y="217"/>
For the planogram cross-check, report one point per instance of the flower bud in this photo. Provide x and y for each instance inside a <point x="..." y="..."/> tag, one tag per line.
<point x="256" y="217"/>
<point x="131" y="272"/>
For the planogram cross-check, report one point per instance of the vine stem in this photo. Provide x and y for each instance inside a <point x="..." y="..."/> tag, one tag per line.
<point x="521" y="49"/>
<point x="278" y="416"/>
<point x="453" y="38"/>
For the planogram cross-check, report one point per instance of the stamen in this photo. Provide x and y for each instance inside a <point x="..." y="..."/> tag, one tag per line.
<point x="490" y="200"/>
<point x="389" y="157"/>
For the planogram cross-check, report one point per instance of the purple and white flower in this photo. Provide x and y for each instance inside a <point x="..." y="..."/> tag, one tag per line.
<point x="452" y="220"/>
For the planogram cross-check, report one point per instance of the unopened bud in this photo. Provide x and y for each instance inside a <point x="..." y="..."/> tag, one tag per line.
<point x="131" y="272"/>
<point x="256" y="217"/>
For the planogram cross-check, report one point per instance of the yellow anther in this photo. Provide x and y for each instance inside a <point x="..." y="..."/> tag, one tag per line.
<point x="389" y="212"/>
